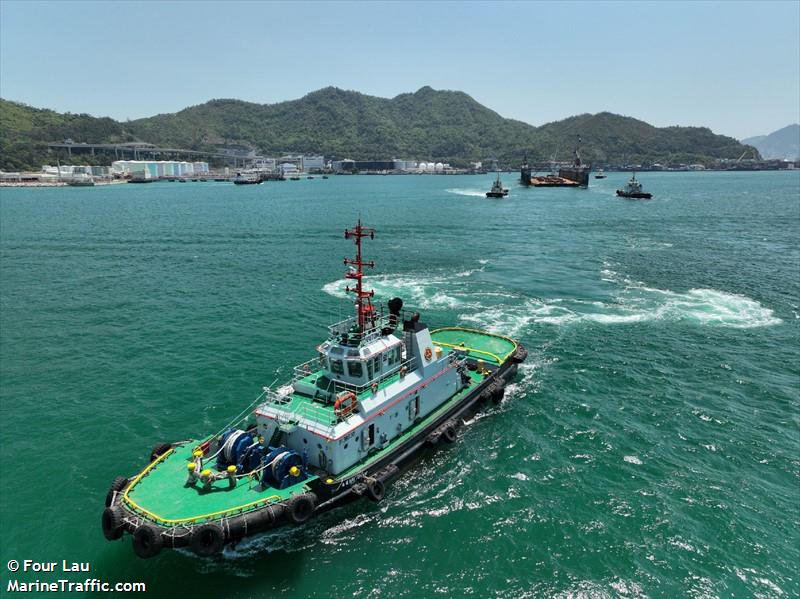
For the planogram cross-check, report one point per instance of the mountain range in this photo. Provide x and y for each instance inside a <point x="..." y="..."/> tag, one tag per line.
<point x="783" y="144"/>
<point x="441" y="125"/>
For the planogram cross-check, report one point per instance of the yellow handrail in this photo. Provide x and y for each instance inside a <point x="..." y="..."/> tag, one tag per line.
<point x="470" y="349"/>
<point x="495" y="356"/>
<point x="158" y="518"/>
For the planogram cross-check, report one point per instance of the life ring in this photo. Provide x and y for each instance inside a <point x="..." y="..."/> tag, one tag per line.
<point x="345" y="405"/>
<point x="428" y="353"/>
<point x="207" y="540"/>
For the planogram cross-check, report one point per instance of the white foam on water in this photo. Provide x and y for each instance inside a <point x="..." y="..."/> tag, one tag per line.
<point x="634" y="304"/>
<point x="476" y="193"/>
<point x="438" y="290"/>
<point x="509" y="313"/>
<point x="632" y="459"/>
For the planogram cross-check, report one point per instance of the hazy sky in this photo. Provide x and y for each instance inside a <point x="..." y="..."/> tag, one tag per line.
<point x="732" y="66"/>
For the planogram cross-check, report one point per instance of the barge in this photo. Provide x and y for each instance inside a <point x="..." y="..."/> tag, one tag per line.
<point x="382" y="389"/>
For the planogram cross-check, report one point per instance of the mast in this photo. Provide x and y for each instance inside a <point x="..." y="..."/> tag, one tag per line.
<point x="577" y="152"/>
<point x="365" y="311"/>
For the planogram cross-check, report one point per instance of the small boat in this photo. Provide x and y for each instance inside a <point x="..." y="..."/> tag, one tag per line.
<point x="81" y="182"/>
<point x="294" y="178"/>
<point x="600" y="174"/>
<point x="497" y="190"/>
<point x="246" y="180"/>
<point x="324" y="176"/>
<point x="380" y="390"/>
<point x="634" y="190"/>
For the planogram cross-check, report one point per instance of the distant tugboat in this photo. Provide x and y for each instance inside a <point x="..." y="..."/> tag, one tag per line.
<point x="381" y="388"/>
<point x="600" y="174"/>
<point x="246" y="179"/>
<point x="497" y="190"/>
<point x="525" y="173"/>
<point x="634" y="190"/>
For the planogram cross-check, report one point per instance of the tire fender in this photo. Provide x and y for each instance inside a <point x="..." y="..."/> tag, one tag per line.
<point x="112" y="523"/>
<point x="207" y="539"/>
<point x="376" y="489"/>
<point x="119" y="483"/>
<point x="147" y="541"/>
<point x="300" y="509"/>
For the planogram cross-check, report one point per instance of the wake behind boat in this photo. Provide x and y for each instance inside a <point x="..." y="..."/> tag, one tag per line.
<point x="381" y="389"/>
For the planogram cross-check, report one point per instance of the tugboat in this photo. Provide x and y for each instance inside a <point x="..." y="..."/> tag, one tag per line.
<point x="497" y="190"/>
<point x="633" y="190"/>
<point x="246" y="179"/>
<point x="382" y="388"/>
<point x="525" y="172"/>
<point x="600" y="174"/>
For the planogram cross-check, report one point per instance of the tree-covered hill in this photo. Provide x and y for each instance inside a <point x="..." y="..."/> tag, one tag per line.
<point x="447" y="126"/>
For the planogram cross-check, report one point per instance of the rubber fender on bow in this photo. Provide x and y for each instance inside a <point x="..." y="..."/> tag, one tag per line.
<point x="301" y="508"/>
<point x="376" y="490"/>
<point x="117" y="485"/>
<point x="207" y="539"/>
<point x="159" y="450"/>
<point x="112" y="523"/>
<point x="147" y="541"/>
<point x="520" y="355"/>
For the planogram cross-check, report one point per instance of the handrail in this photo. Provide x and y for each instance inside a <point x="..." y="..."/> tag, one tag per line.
<point x="471" y="349"/>
<point x="495" y="356"/>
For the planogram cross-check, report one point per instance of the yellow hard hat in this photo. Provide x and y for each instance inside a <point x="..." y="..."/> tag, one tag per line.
<point x="294" y="471"/>
<point x="205" y="473"/>
<point x="231" y="468"/>
<point x="191" y="466"/>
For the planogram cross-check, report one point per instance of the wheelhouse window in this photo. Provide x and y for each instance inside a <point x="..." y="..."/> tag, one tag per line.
<point x="355" y="369"/>
<point x="337" y="367"/>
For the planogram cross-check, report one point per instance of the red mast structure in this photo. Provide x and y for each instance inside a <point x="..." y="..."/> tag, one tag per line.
<point x="365" y="311"/>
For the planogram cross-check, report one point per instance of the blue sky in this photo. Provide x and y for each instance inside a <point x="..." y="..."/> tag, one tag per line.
<point x="732" y="66"/>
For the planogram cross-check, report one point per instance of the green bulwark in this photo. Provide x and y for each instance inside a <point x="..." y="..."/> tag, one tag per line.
<point x="480" y="345"/>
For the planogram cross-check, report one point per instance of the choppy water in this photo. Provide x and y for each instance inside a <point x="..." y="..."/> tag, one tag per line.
<point x="649" y="447"/>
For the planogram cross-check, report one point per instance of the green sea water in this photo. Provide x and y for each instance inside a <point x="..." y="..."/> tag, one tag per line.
<point x="649" y="447"/>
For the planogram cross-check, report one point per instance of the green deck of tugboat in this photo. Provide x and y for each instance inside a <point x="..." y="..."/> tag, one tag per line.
<point x="480" y="345"/>
<point x="159" y="494"/>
